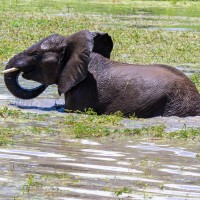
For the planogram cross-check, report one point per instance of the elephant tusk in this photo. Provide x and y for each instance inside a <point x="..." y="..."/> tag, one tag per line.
<point x="10" y="70"/>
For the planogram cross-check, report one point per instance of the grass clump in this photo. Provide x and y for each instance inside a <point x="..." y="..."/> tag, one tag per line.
<point x="84" y="125"/>
<point x="150" y="131"/>
<point x="185" y="133"/>
<point x="31" y="183"/>
<point x="16" y="123"/>
<point x="8" y="113"/>
<point x="159" y="132"/>
<point x="120" y="191"/>
<point x="196" y="79"/>
<point x="43" y="184"/>
<point x="5" y="137"/>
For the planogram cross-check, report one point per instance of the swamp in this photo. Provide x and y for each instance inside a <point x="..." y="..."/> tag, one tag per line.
<point x="48" y="154"/>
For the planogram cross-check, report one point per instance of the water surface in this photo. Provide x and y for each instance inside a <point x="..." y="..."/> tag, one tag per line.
<point x="84" y="169"/>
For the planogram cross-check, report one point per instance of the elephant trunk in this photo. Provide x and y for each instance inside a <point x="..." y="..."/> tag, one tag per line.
<point x="11" y="81"/>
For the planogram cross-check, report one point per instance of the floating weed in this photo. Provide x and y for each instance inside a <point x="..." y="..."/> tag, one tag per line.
<point x="60" y="177"/>
<point x="6" y="112"/>
<point x="161" y="186"/>
<point x="121" y="191"/>
<point x="152" y="131"/>
<point x="40" y="130"/>
<point x="5" y="140"/>
<point x="56" y="175"/>
<point x="36" y="182"/>
<point x="159" y="132"/>
<point x="6" y="136"/>
<point x="156" y="131"/>
<point x="185" y="133"/>
<point x="32" y="183"/>
<point x="90" y="111"/>
<point x="80" y="126"/>
<point x="89" y="124"/>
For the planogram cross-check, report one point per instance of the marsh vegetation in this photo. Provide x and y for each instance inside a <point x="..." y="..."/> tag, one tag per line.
<point x="165" y="32"/>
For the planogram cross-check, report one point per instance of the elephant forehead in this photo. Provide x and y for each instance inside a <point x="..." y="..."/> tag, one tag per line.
<point x="51" y="42"/>
<point x="45" y="45"/>
<point x="48" y="44"/>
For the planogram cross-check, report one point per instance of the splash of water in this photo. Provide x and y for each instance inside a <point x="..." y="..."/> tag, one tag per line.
<point x="23" y="102"/>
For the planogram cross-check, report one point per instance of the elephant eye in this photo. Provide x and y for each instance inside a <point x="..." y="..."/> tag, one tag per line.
<point x="37" y="56"/>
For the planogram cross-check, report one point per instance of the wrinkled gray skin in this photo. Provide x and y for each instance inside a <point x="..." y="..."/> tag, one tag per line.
<point x="80" y="66"/>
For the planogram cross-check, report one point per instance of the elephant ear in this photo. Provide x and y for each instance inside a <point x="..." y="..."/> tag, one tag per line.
<point x="76" y="56"/>
<point x="103" y="44"/>
<point x="75" y="59"/>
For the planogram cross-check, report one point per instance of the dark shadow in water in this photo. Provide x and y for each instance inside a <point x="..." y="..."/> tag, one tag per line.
<point x="58" y="108"/>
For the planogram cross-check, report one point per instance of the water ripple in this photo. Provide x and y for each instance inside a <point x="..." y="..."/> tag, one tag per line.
<point x="103" y="167"/>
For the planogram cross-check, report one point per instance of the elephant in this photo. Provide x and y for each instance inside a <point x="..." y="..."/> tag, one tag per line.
<point x="81" y="67"/>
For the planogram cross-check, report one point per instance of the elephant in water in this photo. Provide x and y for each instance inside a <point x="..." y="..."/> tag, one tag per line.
<point x="79" y="64"/>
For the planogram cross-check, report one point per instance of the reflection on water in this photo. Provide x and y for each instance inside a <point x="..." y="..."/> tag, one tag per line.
<point x="177" y="151"/>
<point x="66" y="170"/>
<point x="47" y="101"/>
<point x="169" y="28"/>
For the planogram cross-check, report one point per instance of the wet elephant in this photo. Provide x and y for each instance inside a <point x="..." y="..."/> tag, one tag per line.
<point x="80" y="66"/>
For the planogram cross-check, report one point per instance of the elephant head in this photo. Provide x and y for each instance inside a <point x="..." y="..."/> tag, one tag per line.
<point x="55" y="60"/>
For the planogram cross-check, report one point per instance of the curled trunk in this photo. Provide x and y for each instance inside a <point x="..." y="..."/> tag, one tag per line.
<point x="12" y="83"/>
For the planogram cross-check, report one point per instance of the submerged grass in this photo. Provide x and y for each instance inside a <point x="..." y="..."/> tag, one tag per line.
<point x="80" y="126"/>
<point x="43" y="184"/>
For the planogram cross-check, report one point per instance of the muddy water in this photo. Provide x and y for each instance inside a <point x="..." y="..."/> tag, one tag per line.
<point x="51" y="168"/>
<point x="45" y="102"/>
<point x="72" y="169"/>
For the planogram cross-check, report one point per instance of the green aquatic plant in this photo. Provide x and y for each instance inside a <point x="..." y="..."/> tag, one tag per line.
<point x="6" y="135"/>
<point x="6" y="112"/>
<point x="120" y="191"/>
<point x="150" y="131"/>
<point x="43" y="183"/>
<point x="18" y="123"/>
<point x="196" y="79"/>
<point x="31" y="183"/>
<point x="185" y="133"/>
<point x="85" y="125"/>
<point x="55" y="175"/>
<point x="5" y="140"/>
